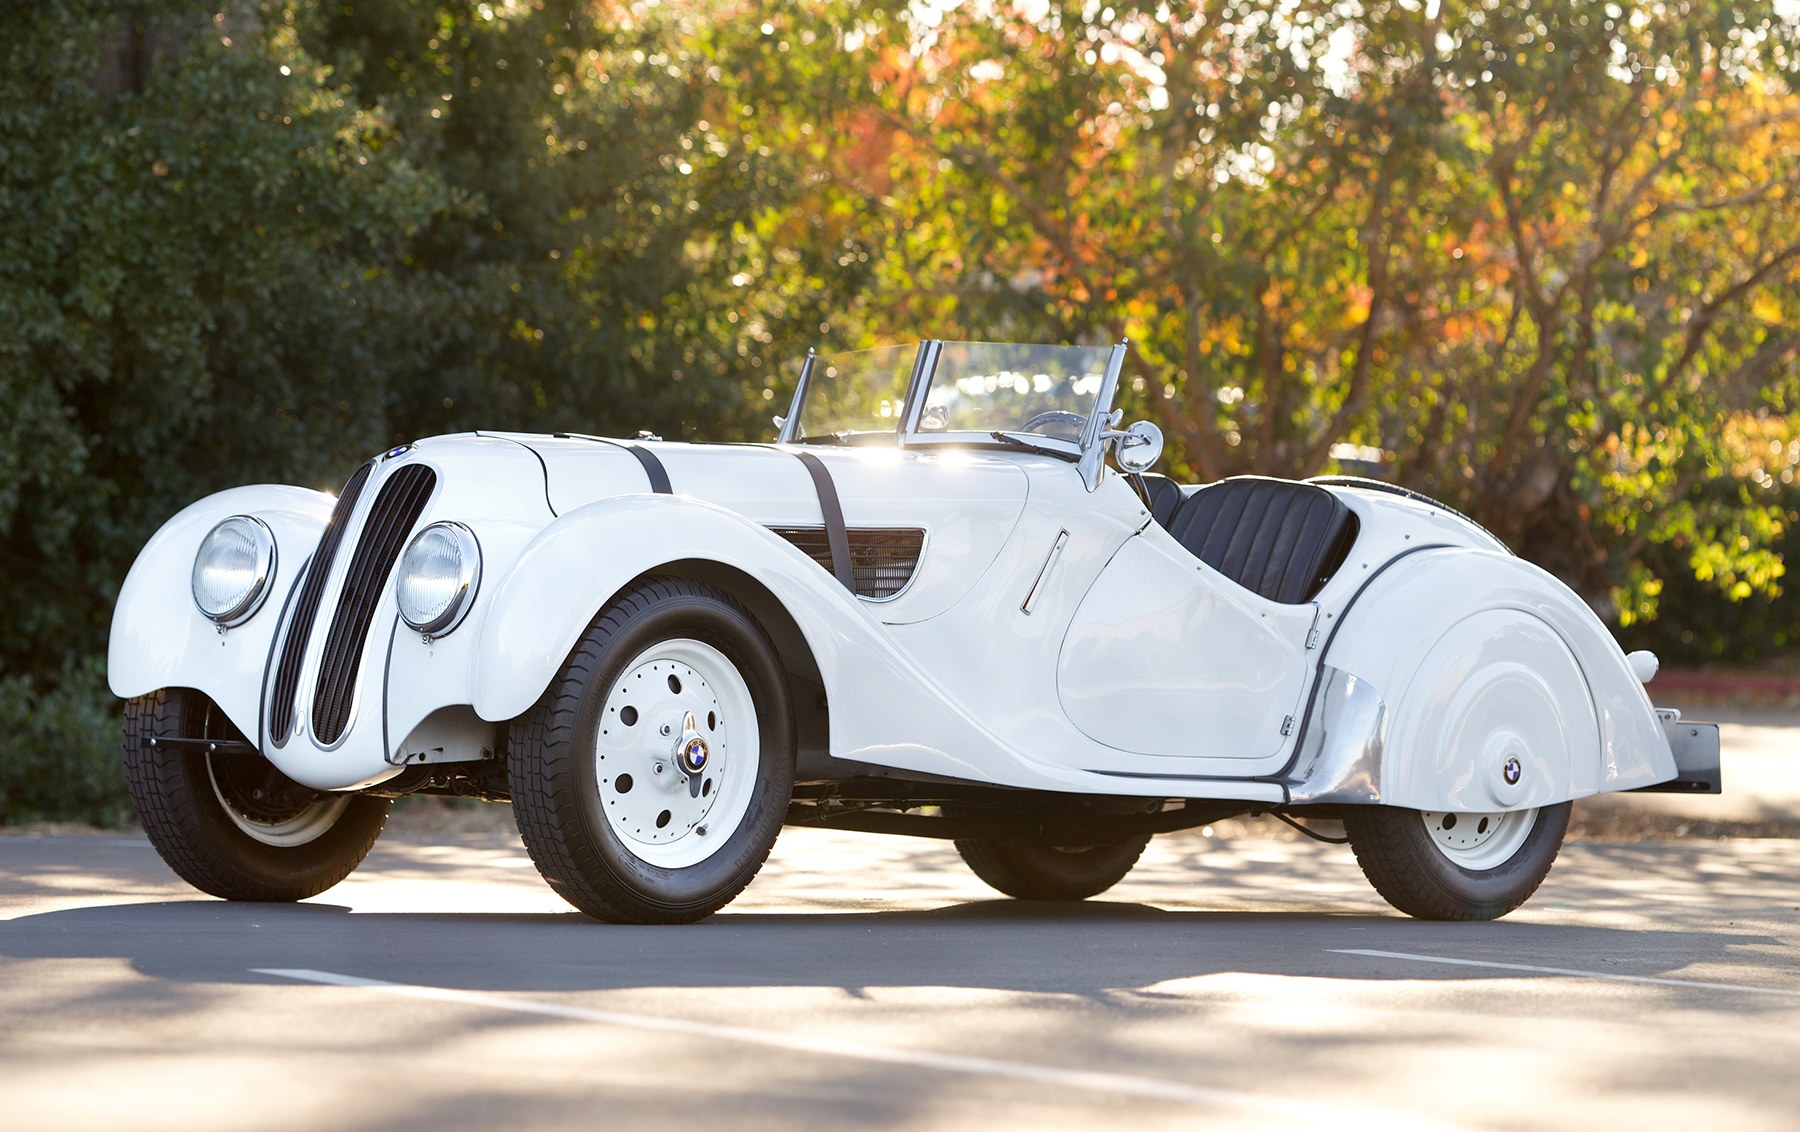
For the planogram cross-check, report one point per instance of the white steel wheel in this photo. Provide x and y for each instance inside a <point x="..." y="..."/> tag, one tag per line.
<point x="676" y="753"/>
<point x="268" y="820"/>
<point x="1441" y="866"/>
<point x="651" y="779"/>
<point x="1478" y="841"/>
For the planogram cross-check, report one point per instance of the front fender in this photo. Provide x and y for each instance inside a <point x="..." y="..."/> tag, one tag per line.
<point x="572" y="567"/>
<point x="1481" y="660"/>
<point x="161" y="640"/>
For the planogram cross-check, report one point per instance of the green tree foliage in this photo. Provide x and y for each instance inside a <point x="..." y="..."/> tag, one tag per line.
<point x="1542" y="256"/>
<point x="1535" y="253"/>
<point x="59" y="748"/>
<point x="626" y="254"/>
<point x="196" y="251"/>
<point x="187" y="233"/>
<point x="1757" y="503"/>
<point x="258" y="244"/>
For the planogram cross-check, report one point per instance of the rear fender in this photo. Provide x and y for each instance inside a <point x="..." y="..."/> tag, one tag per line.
<point x="1500" y="688"/>
<point x="159" y="637"/>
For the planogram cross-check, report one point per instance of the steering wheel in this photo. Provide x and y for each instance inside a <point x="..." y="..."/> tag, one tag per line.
<point x="1051" y="422"/>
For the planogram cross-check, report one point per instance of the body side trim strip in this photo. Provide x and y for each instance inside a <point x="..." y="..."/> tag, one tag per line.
<point x="653" y="468"/>
<point x="837" y="535"/>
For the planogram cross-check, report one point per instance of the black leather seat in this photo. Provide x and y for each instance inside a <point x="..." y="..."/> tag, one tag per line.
<point x="1163" y="495"/>
<point x="1280" y="538"/>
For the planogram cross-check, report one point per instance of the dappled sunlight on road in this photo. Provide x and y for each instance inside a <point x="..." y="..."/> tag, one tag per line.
<point x="109" y="865"/>
<point x="462" y="874"/>
<point x="1263" y="968"/>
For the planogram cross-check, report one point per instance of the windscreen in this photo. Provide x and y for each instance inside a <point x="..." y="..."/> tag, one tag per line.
<point x="857" y="394"/>
<point x="993" y="386"/>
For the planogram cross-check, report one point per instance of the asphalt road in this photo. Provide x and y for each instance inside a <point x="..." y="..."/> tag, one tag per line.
<point x="874" y="982"/>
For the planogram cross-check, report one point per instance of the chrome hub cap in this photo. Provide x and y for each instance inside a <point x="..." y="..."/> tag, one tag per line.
<point x="1479" y="841"/>
<point x="676" y="753"/>
<point x="691" y="751"/>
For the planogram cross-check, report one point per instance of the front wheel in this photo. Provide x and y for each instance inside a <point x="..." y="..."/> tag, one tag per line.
<point x="651" y="780"/>
<point x="1447" y="866"/>
<point x="232" y="825"/>
<point x="1051" y="872"/>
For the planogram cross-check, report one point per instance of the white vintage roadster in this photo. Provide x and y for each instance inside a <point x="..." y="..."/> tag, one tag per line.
<point x="931" y="607"/>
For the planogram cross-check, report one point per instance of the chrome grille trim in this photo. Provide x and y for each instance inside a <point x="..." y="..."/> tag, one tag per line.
<point x="390" y="521"/>
<point x="293" y="649"/>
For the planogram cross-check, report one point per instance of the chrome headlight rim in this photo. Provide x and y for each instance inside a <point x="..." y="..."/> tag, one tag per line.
<point x="465" y="585"/>
<point x="262" y="540"/>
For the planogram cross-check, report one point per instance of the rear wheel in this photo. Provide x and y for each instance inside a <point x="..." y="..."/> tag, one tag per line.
<point x="1448" y="866"/>
<point x="651" y="780"/>
<point x="232" y="825"/>
<point x="1051" y="872"/>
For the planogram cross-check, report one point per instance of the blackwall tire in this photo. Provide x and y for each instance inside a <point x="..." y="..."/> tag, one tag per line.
<point x="1425" y="867"/>
<point x="1047" y="872"/>
<point x="232" y="825"/>
<point x="651" y="780"/>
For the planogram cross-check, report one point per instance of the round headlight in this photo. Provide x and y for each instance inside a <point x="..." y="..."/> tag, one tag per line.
<point x="439" y="574"/>
<point x="232" y="570"/>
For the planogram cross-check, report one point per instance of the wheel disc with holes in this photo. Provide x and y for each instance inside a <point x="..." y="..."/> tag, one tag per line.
<point x="651" y="780"/>
<point x="1478" y="841"/>
<point x="676" y="753"/>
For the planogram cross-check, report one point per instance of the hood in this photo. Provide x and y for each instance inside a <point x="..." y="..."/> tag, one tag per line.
<point x="967" y="503"/>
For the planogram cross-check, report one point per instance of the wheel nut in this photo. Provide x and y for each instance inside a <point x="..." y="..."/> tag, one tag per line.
<point x="667" y="730"/>
<point x="659" y="768"/>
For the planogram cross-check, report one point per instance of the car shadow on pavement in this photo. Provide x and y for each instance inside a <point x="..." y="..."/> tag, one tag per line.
<point x="1094" y="948"/>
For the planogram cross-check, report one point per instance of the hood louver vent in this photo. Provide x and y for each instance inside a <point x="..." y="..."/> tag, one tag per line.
<point x="882" y="559"/>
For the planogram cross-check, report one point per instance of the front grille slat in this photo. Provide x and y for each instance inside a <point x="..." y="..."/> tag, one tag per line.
<point x="401" y="502"/>
<point x="287" y="670"/>
<point x="882" y="559"/>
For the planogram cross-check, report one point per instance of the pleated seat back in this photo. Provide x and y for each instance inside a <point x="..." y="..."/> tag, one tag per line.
<point x="1279" y="538"/>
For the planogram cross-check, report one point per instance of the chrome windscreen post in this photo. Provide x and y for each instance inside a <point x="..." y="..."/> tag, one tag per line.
<point x="790" y="424"/>
<point x="1093" y="438"/>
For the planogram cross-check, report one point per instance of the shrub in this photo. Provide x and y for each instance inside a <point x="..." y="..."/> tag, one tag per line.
<point x="59" y="749"/>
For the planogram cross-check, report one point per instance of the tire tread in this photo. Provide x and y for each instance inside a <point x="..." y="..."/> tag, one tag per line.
<point x="1397" y="856"/>
<point x="189" y="830"/>
<point x="1024" y="872"/>
<point x="542" y="749"/>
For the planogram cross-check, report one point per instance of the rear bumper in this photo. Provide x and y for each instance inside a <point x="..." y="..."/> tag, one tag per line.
<point x="1696" y="750"/>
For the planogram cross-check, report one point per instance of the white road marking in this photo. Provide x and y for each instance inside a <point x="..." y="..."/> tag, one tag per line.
<point x="1570" y="972"/>
<point x="1116" y="1083"/>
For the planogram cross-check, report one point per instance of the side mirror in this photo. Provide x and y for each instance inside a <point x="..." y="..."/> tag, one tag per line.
<point x="1138" y="448"/>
